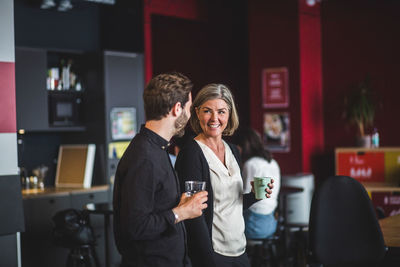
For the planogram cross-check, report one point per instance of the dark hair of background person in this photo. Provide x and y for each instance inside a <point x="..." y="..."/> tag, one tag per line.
<point x="177" y="143"/>
<point x="251" y="144"/>
<point x="163" y="92"/>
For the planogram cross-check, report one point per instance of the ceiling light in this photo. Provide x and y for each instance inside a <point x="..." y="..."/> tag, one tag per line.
<point x="64" y="5"/>
<point x="46" y="4"/>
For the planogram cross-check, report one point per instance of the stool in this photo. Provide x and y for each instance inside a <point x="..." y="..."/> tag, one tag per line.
<point x="105" y="209"/>
<point x="82" y="256"/>
<point x="264" y="251"/>
<point x="298" y="243"/>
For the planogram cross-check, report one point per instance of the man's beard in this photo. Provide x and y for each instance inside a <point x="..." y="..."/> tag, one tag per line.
<point x="180" y="124"/>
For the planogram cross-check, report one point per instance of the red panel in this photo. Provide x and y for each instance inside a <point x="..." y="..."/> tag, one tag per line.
<point x="7" y="98"/>
<point x="311" y="85"/>
<point x="367" y="167"/>
<point x="187" y="9"/>
<point x="273" y="28"/>
<point x="389" y="202"/>
<point x="361" y="38"/>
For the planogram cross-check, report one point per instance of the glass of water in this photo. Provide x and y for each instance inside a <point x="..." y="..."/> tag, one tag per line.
<point x="192" y="187"/>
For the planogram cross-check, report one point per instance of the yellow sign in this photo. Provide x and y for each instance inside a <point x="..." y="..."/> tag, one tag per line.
<point x="117" y="149"/>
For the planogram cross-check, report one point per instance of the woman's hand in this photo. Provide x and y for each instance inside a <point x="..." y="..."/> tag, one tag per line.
<point x="268" y="189"/>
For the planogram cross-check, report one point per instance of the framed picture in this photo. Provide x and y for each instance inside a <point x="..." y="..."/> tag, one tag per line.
<point x="75" y="165"/>
<point x="275" y="93"/>
<point x="123" y="123"/>
<point x="276" y="131"/>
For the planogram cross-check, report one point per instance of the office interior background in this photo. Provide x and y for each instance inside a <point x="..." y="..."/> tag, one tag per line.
<point x="327" y="47"/>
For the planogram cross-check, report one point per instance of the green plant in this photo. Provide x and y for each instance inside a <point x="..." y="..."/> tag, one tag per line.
<point x="360" y="107"/>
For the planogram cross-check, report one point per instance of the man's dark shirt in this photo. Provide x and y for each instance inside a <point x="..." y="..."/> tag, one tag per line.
<point x="146" y="190"/>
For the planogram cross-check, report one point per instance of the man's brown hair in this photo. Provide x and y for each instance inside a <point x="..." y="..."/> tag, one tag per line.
<point x="163" y="92"/>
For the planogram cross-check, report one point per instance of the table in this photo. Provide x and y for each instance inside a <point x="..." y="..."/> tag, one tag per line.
<point x="390" y="227"/>
<point x="105" y="209"/>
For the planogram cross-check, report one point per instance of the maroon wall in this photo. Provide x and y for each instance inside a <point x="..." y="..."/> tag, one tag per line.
<point x="274" y="42"/>
<point x="210" y="50"/>
<point x="359" y="38"/>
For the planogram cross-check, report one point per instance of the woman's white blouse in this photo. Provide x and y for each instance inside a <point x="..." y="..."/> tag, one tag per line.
<point x="228" y="237"/>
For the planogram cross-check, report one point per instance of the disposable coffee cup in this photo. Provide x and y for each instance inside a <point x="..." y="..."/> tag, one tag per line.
<point x="192" y="187"/>
<point x="260" y="184"/>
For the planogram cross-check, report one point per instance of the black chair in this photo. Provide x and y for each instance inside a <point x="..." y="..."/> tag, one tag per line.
<point x="344" y="230"/>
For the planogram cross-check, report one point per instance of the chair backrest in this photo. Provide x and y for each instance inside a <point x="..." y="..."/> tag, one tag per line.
<point x="343" y="227"/>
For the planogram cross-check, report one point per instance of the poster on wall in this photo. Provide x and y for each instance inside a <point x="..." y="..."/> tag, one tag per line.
<point x="276" y="131"/>
<point x="123" y="123"/>
<point x="275" y="93"/>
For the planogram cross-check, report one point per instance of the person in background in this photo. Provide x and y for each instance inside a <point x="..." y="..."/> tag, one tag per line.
<point x="148" y="207"/>
<point x="259" y="218"/>
<point x="216" y="238"/>
<point x="178" y="143"/>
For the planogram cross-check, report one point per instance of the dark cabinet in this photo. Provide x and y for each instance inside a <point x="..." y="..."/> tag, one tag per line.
<point x="31" y="93"/>
<point x="39" y="212"/>
<point x="37" y="245"/>
<point x="40" y="109"/>
<point x="36" y="242"/>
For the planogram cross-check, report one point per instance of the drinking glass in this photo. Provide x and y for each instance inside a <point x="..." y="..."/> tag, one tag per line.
<point x="192" y="187"/>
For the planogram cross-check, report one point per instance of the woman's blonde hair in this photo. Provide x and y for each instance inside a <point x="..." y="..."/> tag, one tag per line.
<point x="210" y="92"/>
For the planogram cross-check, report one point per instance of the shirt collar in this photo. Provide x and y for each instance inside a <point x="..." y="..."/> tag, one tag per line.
<point x="154" y="137"/>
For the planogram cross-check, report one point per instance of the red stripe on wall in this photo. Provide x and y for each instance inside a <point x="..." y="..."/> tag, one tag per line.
<point x="311" y="85"/>
<point x="7" y="98"/>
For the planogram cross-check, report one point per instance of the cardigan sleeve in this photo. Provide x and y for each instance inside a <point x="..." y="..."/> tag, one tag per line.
<point x="191" y="165"/>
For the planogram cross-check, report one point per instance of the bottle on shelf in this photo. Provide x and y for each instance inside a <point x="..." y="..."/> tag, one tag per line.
<point x="65" y="68"/>
<point x="375" y="138"/>
<point x="72" y="75"/>
<point x="52" y="79"/>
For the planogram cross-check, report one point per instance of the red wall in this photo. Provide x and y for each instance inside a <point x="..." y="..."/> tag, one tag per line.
<point x="274" y="42"/>
<point x="312" y="122"/>
<point x="359" y="38"/>
<point x="7" y="97"/>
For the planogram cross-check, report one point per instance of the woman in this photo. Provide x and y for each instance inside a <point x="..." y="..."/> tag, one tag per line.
<point x="216" y="238"/>
<point x="259" y="219"/>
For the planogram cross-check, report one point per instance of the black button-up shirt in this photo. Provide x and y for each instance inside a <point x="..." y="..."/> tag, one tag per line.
<point x="146" y="189"/>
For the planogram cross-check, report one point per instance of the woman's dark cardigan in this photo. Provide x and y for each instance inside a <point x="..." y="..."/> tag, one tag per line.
<point x="191" y="164"/>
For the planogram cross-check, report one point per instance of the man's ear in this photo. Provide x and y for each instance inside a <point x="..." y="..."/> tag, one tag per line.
<point x="177" y="109"/>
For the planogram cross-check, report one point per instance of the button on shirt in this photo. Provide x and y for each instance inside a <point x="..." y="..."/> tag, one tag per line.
<point x="146" y="190"/>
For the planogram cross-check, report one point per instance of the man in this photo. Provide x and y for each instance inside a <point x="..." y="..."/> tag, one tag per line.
<point x="148" y="208"/>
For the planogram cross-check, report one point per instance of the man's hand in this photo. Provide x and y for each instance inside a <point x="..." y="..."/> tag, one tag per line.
<point x="191" y="207"/>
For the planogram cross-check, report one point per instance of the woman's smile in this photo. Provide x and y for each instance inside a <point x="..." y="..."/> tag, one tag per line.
<point x="213" y="117"/>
